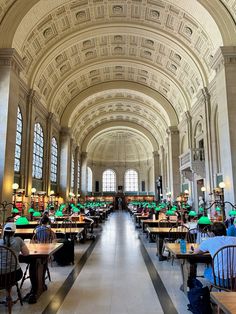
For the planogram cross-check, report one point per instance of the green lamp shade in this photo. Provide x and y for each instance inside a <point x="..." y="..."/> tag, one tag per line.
<point x="173" y="208"/>
<point x="201" y="209"/>
<point x="232" y="213"/>
<point x="36" y="214"/>
<point x="31" y="210"/>
<point x="170" y="213"/>
<point x="157" y="209"/>
<point x="58" y="213"/>
<point x="218" y="209"/>
<point x="204" y="221"/>
<point x="15" y="210"/>
<point x="22" y="221"/>
<point x="75" y="210"/>
<point x="192" y="213"/>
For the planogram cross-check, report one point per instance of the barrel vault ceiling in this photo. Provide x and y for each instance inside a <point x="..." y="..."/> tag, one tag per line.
<point x="128" y="69"/>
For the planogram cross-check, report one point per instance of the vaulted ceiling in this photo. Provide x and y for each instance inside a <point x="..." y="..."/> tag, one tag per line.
<point x="133" y="65"/>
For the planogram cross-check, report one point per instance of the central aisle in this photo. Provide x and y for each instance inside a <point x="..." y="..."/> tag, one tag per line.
<point x="114" y="279"/>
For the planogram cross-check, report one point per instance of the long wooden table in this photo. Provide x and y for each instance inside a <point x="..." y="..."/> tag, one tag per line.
<point x="189" y="261"/>
<point x="28" y="232"/>
<point x="161" y="233"/>
<point x="38" y="260"/>
<point x="226" y="301"/>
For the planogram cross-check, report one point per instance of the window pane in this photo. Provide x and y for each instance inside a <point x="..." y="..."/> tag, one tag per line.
<point x="78" y="175"/>
<point x="131" y="181"/>
<point x="54" y="157"/>
<point x="108" y="181"/>
<point x="38" y="152"/>
<point x="72" y="172"/>
<point x="19" y="128"/>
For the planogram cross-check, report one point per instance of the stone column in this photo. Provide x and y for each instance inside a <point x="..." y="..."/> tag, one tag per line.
<point x="76" y="171"/>
<point x="84" y="158"/>
<point x="10" y="67"/>
<point x="156" y="159"/>
<point x="225" y="65"/>
<point x="208" y="141"/>
<point x="163" y="171"/>
<point x="65" y="162"/>
<point x="174" y="173"/>
<point x="189" y="127"/>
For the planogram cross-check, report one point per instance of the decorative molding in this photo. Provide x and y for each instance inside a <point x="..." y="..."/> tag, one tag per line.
<point x="9" y="57"/>
<point x="225" y="55"/>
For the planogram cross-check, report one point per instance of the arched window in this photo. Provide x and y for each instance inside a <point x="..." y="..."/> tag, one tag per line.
<point x="54" y="158"/>
<point x="72" y="178"/>
<point x="78" y="175"/>
<point x="131" y="181"/>
<point x="19" y="129"/>
<point x="38" y="152"/>
<point x="89" y="179"/>
<point x="108" y="181"/>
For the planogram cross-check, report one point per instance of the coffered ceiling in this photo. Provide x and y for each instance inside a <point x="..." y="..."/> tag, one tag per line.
<point x="132" y="63"/>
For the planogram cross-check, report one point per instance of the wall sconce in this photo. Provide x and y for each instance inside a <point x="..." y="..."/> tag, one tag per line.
<point x="15" y="186"/>
<point x="33" y="190"/>
<point x="203" y="189"/>
<point x="222" y="185"/>
<point x="186" y="191"/>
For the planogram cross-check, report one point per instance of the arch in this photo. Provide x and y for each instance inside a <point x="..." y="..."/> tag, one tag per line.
<point x="38" y="151"/>
<point x="117" y="124"/>
<point x="18" y="144"/>
<point x="54" y="160"/>
<point x="157" y="97"/>
<point x="131" y="180"/>
<point x="109" y="181"/>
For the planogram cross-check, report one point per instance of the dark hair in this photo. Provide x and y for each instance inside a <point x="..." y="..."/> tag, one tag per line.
<point x="7" y="237"/>
<point x="218" y="228"/>
<point x="45" y="220"/>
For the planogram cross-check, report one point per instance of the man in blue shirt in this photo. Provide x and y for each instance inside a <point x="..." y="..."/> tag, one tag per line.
<point x="212" y="245"/>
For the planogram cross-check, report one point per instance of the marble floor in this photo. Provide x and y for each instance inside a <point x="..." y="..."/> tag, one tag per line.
<point x="119" y="273"/>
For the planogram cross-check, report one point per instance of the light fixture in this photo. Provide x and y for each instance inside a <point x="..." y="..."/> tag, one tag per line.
<point x="51" y="192"/>
<point x="203" y="189"/>
<point x="33" y="190"/>
<point x="15" y="186"/>
<point x="186" y="191"/>
<point x="222" y="185"/>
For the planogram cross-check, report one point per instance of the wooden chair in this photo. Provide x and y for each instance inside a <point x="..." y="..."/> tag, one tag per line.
<point x="40" y="235"/>
<point x="191" y="236"/>
<point x="8" y="280"/>
<point x="224" y="277"/>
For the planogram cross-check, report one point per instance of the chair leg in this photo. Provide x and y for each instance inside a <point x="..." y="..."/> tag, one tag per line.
<point x="9" y="300"/>
<point x="48" y="274"/>
<point x="24" y="276"/>
<point x="19" y="294"/>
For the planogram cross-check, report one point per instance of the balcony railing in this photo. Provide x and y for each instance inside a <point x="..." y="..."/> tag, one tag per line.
<point x="193" y="160"/>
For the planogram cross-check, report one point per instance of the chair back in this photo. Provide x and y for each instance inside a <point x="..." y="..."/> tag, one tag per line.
<point x="224" y="268"/>
<point x="8" y="267"/>
<point x="178" y="232"/>
<point x="164" y="223"/>
<point x="43" y="235"/>
<point x="191" y="236"/>
<point x="67" y="225"/>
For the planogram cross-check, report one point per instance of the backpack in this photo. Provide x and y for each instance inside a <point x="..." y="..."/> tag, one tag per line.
<point x="199" y="298"/>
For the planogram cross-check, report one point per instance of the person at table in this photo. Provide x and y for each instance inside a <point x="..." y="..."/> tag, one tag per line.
<point x="43" y="233"/>
<point x="16" y="244"/>
<point x="213" y="244"/>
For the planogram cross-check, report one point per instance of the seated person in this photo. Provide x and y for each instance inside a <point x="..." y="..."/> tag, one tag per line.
<point x="43" y="233"/>
<point x="213" y="244"/>
<point x="231" y="230"/>
<point x="16" y="244"/>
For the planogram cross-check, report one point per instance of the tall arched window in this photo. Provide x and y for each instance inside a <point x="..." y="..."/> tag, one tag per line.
<point x="72" y="178"/>
<point x="78" y="175"/>
<point x="54" y="158"/>
<point x="108" y="181"/>
<point x="131" y="181"/>
<point x="19" y="129"/>
<point x="89" y="180"/>
<point x="38" y="152"/>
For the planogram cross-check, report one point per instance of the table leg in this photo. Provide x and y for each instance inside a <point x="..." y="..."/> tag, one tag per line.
<point x="189" y="271"/>
<point x="160" y="241"/>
